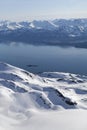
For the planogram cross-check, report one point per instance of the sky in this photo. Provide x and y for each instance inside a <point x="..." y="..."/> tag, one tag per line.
<point x="42" y="9"/>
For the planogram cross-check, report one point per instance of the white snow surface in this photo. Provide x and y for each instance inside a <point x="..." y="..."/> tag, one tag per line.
<point x="47" y="101"/>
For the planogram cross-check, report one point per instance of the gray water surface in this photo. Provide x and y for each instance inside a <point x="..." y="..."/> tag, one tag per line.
<point x="44" y="58"/>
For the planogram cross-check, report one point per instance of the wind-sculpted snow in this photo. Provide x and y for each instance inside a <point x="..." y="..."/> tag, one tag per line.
<point x="48" y="90"/>
<point x="23" y="94"/>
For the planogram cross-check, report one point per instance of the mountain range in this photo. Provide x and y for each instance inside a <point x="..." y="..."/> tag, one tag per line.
<point x="54" y="32"/>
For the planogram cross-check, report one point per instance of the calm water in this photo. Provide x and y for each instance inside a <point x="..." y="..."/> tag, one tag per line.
<point x="46" y="58"/>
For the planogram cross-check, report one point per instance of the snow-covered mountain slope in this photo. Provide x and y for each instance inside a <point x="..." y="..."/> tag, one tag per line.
<point x="49" y="91"/>
<point x="30" y="101"/>
<point x="47" y="25"/>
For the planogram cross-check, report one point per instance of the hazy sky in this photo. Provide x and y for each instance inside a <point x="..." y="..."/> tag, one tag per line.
<point x="42" y="9"/>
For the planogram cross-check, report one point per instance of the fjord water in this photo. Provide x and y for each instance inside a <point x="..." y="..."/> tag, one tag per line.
<point x="44" y="58"/>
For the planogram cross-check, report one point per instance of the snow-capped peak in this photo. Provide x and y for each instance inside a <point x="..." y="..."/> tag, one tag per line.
<point x="68" y="25"/>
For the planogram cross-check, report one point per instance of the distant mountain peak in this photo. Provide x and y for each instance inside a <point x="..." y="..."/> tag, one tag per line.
<point x="54" y="32"/>
<point x="43" y="24"/>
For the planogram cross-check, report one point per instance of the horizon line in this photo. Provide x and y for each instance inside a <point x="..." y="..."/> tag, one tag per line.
<point x="43" y="19"/>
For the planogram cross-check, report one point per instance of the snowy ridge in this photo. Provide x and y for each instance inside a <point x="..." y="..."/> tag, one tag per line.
<point x="68" y="25"/>
<point x="51" y="90"/>
<point x="26" y="98"/>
